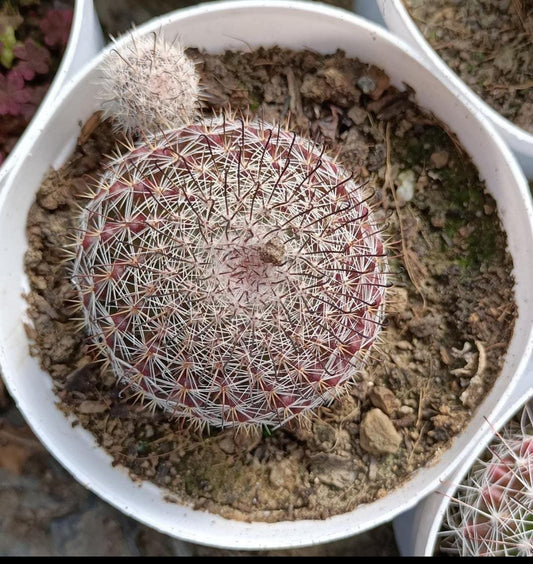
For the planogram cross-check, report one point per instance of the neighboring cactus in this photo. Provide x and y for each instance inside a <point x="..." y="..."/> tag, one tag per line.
<point x="149" y="85"/>
<point x="491" y="513"/>
<point x="231" y="273"/>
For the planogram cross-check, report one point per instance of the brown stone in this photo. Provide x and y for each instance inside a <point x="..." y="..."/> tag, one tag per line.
<point x="439" y="159"/>
<point x="374" y="82"/>
<point x="335" y="470"/>
<point x="282" y="474"/>
<point x="358" y="114"/>
<point x="377" y="433"/>
<point x="382" y="397"/>
<point x="89" y="406"/>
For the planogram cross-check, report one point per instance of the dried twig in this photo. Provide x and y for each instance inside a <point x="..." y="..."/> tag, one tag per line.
<point x="407" y="254"/>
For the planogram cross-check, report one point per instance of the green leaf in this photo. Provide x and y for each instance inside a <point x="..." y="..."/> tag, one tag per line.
<point x="7" y="43"/>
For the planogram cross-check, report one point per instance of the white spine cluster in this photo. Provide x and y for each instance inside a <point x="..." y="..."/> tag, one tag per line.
<point x="491" y="513"/>
<point x="149" y="85"/>
<point x="231" y="273"/>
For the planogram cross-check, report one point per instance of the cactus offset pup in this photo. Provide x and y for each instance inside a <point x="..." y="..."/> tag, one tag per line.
<point x="149" y="84"/>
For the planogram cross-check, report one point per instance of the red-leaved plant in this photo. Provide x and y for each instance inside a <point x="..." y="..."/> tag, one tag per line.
<point x="32" y="41"/>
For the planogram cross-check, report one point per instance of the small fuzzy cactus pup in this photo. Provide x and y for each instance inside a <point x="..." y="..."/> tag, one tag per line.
<point x="149" y="85"/>
<point x="230" y="272"/>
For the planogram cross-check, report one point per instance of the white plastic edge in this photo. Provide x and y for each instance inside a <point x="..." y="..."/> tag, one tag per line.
<point x="399" y="21"/>
<point x="417" y="530"/>
<point x="85" y="40"/>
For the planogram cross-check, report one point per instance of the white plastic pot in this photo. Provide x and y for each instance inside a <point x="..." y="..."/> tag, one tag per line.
<point x="243" y="25"/>
<point x="85" y="40"/>
<point x="417" y="530"/>
<point x="399" y="21"/>
<point x="369" y="9"/>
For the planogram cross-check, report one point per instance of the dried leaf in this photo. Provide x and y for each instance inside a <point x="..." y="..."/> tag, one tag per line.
<point x="89" y="127"/>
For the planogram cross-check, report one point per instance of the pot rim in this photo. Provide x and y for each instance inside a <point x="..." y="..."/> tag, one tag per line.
<point x="520" y="139"/>
<point x="432" y="509"/>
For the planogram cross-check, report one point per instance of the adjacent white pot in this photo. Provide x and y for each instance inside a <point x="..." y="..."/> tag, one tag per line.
<point x="399" y="21"/>
<point x="368" y="9"/>
<point x="85" y="40"/>
<point x="243" y="25"/>
<point x="417" y="530"/>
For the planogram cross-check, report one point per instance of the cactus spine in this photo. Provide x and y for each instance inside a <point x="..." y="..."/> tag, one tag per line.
<point x="149" y="84"/>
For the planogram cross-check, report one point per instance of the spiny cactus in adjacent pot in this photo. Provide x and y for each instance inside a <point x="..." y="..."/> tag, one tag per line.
<point x="231" y="273"/>
<point x="491" y="513"/>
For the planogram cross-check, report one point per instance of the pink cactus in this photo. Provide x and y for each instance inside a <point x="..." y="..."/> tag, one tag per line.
<point x="231" y="273"/>
<point x="491" y="513"/>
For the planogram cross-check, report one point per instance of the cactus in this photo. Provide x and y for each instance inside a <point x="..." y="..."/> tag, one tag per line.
<point x="231" y="273"/>
<point x="491" y="513"/>
<point x="149" y="84"/>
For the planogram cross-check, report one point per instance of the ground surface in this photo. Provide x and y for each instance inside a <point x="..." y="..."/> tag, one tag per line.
<point x="45" y="512"/>
<point x="489" y="45"/>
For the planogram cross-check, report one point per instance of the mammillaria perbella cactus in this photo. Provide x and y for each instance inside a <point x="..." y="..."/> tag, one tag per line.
<point x="231" y="273"/>
<point x="491" y="513"/>
<point x="148" y="84"/>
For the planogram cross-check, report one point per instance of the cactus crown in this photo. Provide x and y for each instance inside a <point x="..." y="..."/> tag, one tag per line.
<point x="231" y="273"/>
<point x="491" y="513"/>
<point x="149" y="84"/>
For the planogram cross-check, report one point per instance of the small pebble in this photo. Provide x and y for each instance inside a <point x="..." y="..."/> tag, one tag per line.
<point x="406" y="185"/>
<point x="384" y="399"/>
<point x="439" y="159"/>
<point x="366" y="84"/>
<point x="377" y="433"/>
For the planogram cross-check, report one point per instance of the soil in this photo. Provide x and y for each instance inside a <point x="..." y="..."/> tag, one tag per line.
<point x="489" y="44"/>
<point x="45" y="512"/>
<point x="450" y="316"/>
<point x="20" y="97"/>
